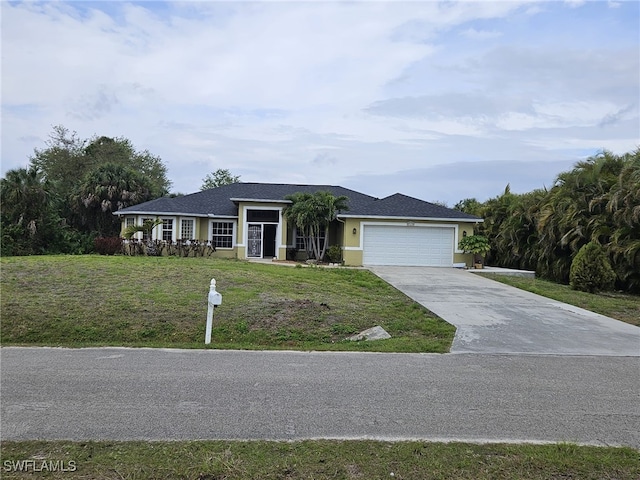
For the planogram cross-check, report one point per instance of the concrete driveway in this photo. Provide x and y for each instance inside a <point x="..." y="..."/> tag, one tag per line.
<point x="491" y="317"/>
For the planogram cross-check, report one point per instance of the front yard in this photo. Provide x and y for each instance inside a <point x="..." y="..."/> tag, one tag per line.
<point x="621" y="306"/>
<point x="95" y="300"/>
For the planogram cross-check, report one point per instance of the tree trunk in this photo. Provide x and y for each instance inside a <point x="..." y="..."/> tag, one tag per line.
<point x="326" y="240"/>
<point x="315" y="241"/>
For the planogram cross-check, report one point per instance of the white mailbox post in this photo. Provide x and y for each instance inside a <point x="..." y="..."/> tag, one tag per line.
<point x="215" y="299"/>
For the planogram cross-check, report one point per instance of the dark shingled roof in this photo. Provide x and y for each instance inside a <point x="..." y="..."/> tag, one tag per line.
<point x="217" y="201"/>
<point x="399" y="205"/>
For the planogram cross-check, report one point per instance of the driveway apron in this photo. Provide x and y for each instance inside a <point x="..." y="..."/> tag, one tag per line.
<point x="491" y="317"/>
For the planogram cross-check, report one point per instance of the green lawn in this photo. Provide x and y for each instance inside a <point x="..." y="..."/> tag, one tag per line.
<point x="209" y="460"/>
<point x="621" y="306"/>
<point x="162" y="302"/>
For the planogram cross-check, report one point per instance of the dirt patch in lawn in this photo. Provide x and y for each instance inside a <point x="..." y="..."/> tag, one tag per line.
<point x="277" y="313"/>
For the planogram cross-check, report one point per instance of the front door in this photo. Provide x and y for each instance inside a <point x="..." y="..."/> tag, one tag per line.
<point x="261" y="240"/>
<point x="269" y="240"/>
<point x="254" y="241"/>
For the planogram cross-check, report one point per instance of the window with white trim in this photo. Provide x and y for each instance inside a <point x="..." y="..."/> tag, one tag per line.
<point x="300" y="239"/>
<point x="167" y="229"/>
<point x="222" y="234"/>
<point x="146" y="235"/>
<point x="129" y="222"/>
<point x="186" y="230"/>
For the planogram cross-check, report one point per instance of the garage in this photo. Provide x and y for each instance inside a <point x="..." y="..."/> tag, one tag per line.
<point x="408" y="245"/>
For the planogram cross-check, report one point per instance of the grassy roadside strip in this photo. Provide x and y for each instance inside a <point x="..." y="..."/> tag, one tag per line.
<point x="92" y="300"/>
<point x="621" y="306"/>
<point x="209" y="460"/>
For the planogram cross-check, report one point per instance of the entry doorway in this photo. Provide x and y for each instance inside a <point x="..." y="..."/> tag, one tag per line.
<point x="261" y="240"/>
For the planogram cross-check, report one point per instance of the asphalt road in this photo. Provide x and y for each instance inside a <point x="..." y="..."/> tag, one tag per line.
<point x="149" y="394"/>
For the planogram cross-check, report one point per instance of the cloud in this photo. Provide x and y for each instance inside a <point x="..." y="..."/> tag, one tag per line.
<point x="450" y="183"/>
<point x="474" y="34"/>
<point x="616" y="117"/>
<point x="324" y="159"/>
<point x="325" y="92"/>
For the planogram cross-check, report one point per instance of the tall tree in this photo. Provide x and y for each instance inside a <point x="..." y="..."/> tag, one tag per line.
<point x="596" y="201"/>
<point x="570" y="216"/>
<point x="220" y="177"/>
<point x="68" y="163"/>
<point x="105" y="190"/>
<point x="312" y="214"/>
<point x="62" y="163"/>
<point x="29" y="220"/>
<point x="120" y="151"/>
<point x="66" y="160"/>
<point x="469" y="205"/>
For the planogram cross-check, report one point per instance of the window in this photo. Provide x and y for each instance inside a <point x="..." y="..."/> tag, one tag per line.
<point x="263" y="216"/>
<point x="222" y="236"/>
<point x="167" y="229"/>
<point x="129" y="222"/>
<point x="146" y="234"/>
<point x="300" y="240"/>
<point x="186" y="230"/>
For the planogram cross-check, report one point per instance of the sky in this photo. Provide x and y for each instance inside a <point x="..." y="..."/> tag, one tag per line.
<point x="441" y="101"/>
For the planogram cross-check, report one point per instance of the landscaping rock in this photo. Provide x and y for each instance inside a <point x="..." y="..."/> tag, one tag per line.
<point x="374" y="333"/>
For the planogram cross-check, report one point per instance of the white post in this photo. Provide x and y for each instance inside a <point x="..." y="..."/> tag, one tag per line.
<point x="207" y="335"/>
<point x="215" y="299"/>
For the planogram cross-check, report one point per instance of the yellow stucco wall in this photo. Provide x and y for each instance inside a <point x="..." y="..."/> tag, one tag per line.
<point x="343" y="234"/>
<point x="201" y="230"/>
<point x="281" y="241"/>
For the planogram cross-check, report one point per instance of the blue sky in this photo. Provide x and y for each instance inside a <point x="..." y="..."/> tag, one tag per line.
<point x="437" y="100"/>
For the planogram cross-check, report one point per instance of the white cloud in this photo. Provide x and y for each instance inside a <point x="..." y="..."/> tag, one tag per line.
<point x="474" y="34"/>
<point x="322" y="92"/>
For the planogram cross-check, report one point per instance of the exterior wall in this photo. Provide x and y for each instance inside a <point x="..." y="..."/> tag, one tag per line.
<point x="352" y="242"/>
<point x="201" y="230"/>
<point x="459" y="256"/>
<point x="351" y="249"/>
<point x="341" y="233"/>
<point x="241" y="234"/>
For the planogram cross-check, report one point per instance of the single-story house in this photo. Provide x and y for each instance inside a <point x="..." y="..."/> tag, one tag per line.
<point x="245" y="221"/>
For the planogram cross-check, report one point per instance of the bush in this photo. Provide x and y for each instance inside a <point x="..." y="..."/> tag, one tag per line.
<point x="478" y="245"/>
<point x="591" y="270"/>
<point x="108" y="245"/>
<point x="334" y="252"/>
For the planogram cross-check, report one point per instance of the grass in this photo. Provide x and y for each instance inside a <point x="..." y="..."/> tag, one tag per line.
<point x="621" y="306"/>
<point x="93" y="300"/>
<point x="209" y="460"/>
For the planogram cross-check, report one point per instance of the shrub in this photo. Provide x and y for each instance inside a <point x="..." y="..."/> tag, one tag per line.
<point x="591" y="270"/>
<point x="478" y="245"/>
<point x="108" y="245"/>
<point x="334" y="253"/>
<point x="292" y="253"/>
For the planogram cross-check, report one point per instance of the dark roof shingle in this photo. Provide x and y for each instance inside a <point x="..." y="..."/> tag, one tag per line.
<point x="218" y="202"/>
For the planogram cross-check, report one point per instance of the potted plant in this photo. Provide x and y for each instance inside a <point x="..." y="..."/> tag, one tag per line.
<point x="478" y="245"/>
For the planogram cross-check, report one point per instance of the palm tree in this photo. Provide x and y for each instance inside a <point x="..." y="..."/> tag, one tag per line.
<point x="313" y="214"/>
<point x="328" y="206"/>
<point x="107" y="189"/>
<point x="29" y="220"/>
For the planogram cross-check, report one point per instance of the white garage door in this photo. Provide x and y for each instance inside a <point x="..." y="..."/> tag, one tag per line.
<point x="408" y="245"/>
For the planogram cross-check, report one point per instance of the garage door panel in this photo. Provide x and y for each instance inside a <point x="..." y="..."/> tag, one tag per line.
<point x="405" y="245"/>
